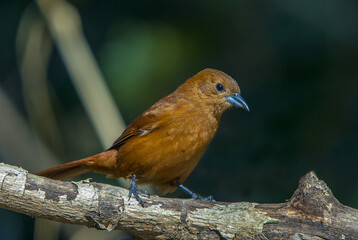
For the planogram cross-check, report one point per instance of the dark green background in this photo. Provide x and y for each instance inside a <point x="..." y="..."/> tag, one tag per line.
<point x="295" y="61"/>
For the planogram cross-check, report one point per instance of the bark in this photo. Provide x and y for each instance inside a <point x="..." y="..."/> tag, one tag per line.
<point x="311" y="213"/>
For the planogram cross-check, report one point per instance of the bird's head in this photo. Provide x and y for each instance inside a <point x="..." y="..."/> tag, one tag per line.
<point x="215" y="89"/>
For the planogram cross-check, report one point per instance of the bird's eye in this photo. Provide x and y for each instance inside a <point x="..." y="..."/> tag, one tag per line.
<point x="219" y="87"/>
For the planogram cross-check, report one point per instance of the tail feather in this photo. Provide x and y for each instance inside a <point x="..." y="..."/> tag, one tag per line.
<point x="66" y="170"/>
<point x="104" y="162"/>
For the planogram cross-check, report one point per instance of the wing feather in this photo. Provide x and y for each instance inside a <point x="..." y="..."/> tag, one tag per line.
<point x="152" y="119"/>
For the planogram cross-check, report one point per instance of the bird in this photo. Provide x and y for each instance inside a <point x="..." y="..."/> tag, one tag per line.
<point x="164" y="144"/>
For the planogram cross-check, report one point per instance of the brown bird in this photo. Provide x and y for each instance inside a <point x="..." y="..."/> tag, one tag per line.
<point x="164" y="144"/>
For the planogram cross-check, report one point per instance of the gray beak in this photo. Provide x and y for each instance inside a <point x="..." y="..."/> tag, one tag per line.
<point x="238" y="101"/>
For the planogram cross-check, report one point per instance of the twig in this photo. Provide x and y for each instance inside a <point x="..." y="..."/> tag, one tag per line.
<point x="311" y="213"/>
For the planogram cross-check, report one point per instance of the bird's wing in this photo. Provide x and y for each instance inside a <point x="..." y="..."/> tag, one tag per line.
<point x="137" y="128"/>
<point x="127" y="134"/>
<point x="143" y="125"/>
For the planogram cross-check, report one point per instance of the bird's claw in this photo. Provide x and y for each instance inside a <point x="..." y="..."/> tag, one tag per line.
<point x="135" y="191"/>
<point x="194" y="195"/>
<point x="143" y="193"/>
<point x="205" y="199"/>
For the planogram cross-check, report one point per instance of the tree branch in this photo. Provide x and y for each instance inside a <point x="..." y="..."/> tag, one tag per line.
<point x="311" y="213"/>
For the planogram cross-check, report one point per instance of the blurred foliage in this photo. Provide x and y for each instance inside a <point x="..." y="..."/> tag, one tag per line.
<point x="296" y="63"/>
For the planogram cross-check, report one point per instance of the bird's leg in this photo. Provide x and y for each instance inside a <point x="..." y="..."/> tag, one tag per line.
<point x="133" y="189"/>
<point x="194" y="195"/>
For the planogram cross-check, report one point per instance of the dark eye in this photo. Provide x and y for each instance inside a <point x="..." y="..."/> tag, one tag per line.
<point x="219" y="87"/>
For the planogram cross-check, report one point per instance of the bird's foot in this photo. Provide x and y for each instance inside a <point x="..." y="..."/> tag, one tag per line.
<point x="205" y="199"/>
<point x="135" y="191"/>
<point x="194" y="195"/>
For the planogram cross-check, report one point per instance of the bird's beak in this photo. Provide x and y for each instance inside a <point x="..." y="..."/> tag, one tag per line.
<point x="238" y="101"/>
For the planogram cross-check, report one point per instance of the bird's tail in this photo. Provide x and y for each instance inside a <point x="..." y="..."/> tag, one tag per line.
<point x="104" y="162"/>
<point x="67" y="170"/>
